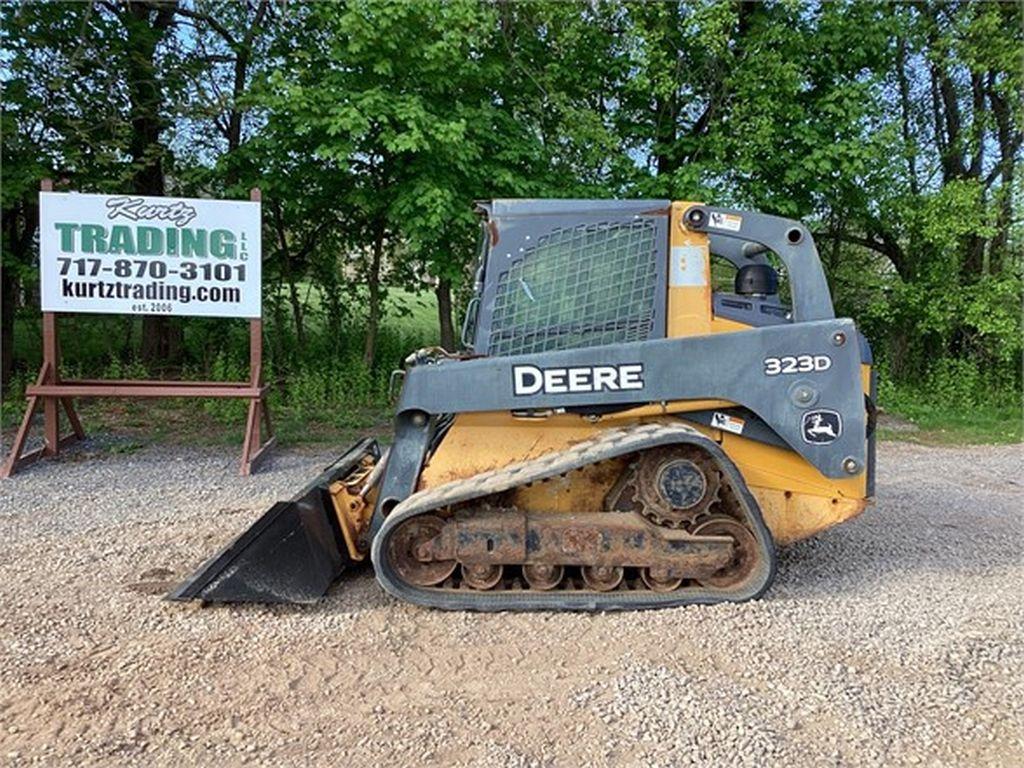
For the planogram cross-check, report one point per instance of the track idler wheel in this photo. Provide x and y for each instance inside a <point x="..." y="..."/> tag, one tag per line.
<point x="481" y="575"/>
<point x="543" y="577"/>
<point x="744" y="556"/>
<point x="405" y="547"/>
<point x="602" y="578"/>
<point x="659" y="579"/>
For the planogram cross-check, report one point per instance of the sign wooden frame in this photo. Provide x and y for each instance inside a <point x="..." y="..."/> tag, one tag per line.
<point x="54" y="393"/>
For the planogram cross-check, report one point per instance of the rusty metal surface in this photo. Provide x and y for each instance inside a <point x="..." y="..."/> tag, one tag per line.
<point x="482" y="576"/>
<point x="651" y="478"/>
<point x="543" y="577"/>
<point x="744" y="553"/>
<point x="640" y="488"/>
<point x="599" y="539"/>
<point x="407" y="553"/>
<point x="660" y="579"/>
<point x="602" y="578"/>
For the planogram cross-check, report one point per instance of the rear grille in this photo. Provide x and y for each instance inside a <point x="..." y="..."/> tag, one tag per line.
<point x="581" y="287"/>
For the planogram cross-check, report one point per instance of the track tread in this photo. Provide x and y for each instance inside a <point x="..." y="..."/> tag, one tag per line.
<point x="608" y="444"/>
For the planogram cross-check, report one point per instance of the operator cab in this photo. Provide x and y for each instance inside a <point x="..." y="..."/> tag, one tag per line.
<point x="755" y="299"/>
<point x="568" y="274"/>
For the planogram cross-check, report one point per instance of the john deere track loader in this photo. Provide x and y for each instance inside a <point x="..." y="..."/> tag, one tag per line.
<point x="616" y="433"/>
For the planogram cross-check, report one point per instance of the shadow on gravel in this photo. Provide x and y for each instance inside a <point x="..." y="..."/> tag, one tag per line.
<point x="356" y="590"/>
<point x="156" y="581"/>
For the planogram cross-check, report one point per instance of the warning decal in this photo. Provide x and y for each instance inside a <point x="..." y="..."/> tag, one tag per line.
<point x="727" y="221"/>
<point x="727" y="423"/>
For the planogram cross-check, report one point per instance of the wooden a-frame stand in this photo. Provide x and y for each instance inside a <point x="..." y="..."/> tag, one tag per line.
<point x="54" y="393"/>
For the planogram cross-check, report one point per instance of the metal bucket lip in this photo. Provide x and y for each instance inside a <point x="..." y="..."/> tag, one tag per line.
<point x="194" y="586"/>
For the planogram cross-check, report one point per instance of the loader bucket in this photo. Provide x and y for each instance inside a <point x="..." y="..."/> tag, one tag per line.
<point x="291" y="554"/>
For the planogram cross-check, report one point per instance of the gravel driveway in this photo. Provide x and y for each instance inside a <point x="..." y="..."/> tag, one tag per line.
<point x="896" y="639"/>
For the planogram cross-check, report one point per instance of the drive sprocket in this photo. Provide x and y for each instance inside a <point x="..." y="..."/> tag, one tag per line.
<point x="671" y="486"/>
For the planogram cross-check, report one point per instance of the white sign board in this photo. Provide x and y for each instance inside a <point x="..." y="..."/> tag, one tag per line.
<point x="129" y="254"/>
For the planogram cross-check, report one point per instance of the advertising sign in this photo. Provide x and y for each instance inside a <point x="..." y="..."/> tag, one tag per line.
<point x="130" y="254"/>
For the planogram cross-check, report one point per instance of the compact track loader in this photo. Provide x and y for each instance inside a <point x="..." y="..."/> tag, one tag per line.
<point x="616" y="433"/>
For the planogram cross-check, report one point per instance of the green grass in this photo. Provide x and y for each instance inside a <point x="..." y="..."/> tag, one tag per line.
<point x="411" y="314"/>
<point x="947" y="425"/>
<point x="956" y="405"/>
<point x="322" y="394"/>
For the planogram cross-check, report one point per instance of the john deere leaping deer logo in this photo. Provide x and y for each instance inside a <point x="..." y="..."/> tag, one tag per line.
<point x="822" y="427"/>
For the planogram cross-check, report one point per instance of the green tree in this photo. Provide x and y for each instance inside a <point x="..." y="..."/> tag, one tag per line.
<point x="391" y="94"/>
<point x="58" y="122"/>
<point x="895" y="130"/>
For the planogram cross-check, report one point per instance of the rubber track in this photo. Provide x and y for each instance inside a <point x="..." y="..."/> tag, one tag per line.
<point x="607" y="445"/>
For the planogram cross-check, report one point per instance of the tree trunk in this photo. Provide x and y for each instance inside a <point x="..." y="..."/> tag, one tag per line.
<point x="838" y="227"/>
<point x="244" y="52"/>
<point x="8" y="300"/>
<point x="1009" y="143"/>
<point x="277" y="336"/>
<point x="288" y="262"/>
<point x="373" y="283"/>
<point x="297" y="314"/>
<point x="665" y="119"/>
<point x="20" y="223"/>
<point x="145" y="26"/>
<point x="909" y="146"/>
<point x="444" y="313"/>
<point x="129" y="337"/>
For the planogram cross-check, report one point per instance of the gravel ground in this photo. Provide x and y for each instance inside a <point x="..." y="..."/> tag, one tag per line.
<point x="895" y="639"/>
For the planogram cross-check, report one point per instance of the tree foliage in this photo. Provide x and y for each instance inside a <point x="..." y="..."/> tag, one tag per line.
<point x="894" y="130"/>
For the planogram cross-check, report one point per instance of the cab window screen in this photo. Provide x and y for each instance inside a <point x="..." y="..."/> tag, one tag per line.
<point x="581" y="287"/>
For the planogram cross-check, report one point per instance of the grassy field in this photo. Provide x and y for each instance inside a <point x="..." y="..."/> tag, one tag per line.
<point x="930" y="424"/>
